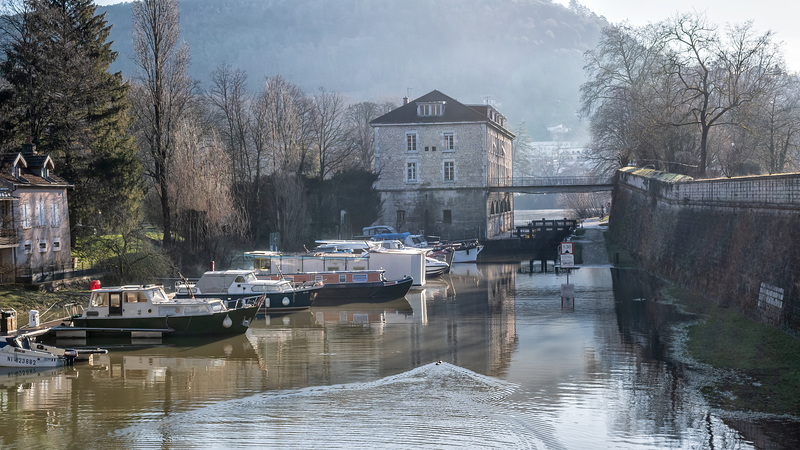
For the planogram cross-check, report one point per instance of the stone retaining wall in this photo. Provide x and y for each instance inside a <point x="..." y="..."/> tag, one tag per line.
<point x="735" y="240"/>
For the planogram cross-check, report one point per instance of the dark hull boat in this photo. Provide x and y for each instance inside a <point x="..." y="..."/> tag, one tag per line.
<point x="150" y="308"/>
<point x="281" y="296"/>
<point x="349" y="286"/>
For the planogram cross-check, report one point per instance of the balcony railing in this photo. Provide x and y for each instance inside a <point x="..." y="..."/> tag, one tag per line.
<point x="8" y="237"/>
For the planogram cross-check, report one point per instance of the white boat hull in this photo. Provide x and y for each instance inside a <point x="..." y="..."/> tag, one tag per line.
<point x="18" y="357"/>
<point x="469" y="255"/>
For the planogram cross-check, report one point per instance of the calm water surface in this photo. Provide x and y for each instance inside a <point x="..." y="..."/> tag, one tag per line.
<point x="517" y="370"/>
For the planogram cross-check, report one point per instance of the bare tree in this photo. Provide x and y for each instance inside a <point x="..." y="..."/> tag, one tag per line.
<point x="284" y="111"/>
<point x="162" y="94"/>
<point x="231" y="101"/>
<point x="330" y="133"/>
<point x="717" y="75"/>
<point x="361" y="135"/>
<point x="208" y="218"/>
<point x="774" y="125"/>
<point x="282" y="132"/>
<point x="619" y="97"/>
<point x="655" y="94"/>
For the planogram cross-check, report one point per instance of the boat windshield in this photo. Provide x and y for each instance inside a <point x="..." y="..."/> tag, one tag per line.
<point x="159" y="295"/>
<point x="20" y="342"/>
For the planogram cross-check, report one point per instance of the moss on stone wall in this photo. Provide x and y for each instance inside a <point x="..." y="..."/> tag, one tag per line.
<point x="723" y="253"/>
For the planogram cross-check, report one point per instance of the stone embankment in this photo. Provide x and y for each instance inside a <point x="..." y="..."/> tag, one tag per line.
<point x="734" y="240"/>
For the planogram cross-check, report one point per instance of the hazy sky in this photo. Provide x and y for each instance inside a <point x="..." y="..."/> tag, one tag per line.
<point x="779" y="16"/>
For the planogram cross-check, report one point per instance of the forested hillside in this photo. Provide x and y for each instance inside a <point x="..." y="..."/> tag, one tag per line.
<point x="526" y="56"/>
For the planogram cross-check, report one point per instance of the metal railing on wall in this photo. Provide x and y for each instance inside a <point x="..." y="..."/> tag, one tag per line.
<point x="51" y="272"/>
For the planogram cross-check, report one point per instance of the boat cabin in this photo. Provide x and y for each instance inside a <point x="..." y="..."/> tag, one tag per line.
<point x="145" y="301"/>
<point x="232" y="282"/>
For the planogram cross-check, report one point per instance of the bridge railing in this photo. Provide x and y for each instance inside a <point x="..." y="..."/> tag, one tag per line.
<point x="552" y="181"/>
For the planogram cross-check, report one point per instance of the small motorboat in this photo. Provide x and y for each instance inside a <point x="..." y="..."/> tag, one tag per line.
<point x="230" y="285"/>
<point x="149" y="307"/>
<point x="23" y="352"/>
<point x="435" y="267"/>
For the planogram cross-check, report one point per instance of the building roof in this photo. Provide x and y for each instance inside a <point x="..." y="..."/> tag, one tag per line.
<point x="30" y="171"/>
<point x="454" y="112"/>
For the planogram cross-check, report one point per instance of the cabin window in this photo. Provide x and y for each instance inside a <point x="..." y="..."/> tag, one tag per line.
<point x="342" y="278"/>
<point x="194" y="310"/>
<point x="262" y="264"/>
<point x="318" y="277"/>
<point x="100" y="299"/>
<point x="134" y="297"/>
<point x="239" y="279"/>
<point x="359" y="278"/>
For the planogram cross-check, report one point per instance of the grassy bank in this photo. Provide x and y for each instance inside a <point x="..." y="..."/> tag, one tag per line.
<point x="49" y="304"/>
<point x="766" y="360"/>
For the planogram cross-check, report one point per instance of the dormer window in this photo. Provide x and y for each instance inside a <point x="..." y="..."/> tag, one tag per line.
<point x="44" y="172"/>
<point x="430" y="109"/>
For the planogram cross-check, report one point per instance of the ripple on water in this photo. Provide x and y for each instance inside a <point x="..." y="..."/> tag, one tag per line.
<point x="436" y="405"/>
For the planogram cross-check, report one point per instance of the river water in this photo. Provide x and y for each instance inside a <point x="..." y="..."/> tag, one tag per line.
<point x="485" y="357"/>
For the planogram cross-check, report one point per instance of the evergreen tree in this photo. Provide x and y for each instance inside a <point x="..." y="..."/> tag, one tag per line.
<point x="60" y="94"/>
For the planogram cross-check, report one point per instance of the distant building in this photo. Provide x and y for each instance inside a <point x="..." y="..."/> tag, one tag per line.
<point x="435" y="157"/>
<point x="34" y="233"/>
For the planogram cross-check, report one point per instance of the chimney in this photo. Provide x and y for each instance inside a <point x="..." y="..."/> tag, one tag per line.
<point x="28" y="148"/>
<point x="405" y="100"/>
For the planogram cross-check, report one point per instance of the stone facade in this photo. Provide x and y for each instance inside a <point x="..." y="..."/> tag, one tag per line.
<point x="732" y="240"/>
<point x="434" y="169"/>
<point x="35" y="234"/>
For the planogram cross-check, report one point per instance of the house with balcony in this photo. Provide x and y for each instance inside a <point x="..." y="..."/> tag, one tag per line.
<point x="435" y="157"/>
<point x="35" y="234"/>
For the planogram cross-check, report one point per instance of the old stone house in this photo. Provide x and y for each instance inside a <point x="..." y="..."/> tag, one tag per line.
<point x="34" y="234"/>
<point x="435" y="158"/>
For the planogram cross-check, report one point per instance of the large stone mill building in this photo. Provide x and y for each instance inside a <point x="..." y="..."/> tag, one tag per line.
<point x="436" y="157"/>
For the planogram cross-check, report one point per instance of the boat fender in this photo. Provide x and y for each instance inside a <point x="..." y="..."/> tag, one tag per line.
<point x="227" y="322"/>
<point x="285" y="301"/>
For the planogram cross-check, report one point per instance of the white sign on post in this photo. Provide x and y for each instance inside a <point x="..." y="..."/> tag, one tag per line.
<point x="567" y="254"/>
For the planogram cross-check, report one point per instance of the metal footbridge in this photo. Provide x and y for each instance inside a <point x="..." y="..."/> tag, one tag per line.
<point x="548" y="185"/>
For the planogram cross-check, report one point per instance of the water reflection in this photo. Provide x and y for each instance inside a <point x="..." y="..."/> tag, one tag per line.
<point x="517" y="371"/>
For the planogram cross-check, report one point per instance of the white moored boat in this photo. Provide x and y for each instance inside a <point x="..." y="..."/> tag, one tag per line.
<point x="21" y="351"/>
